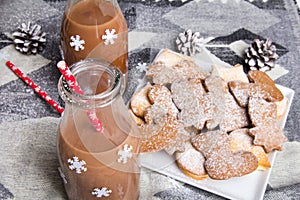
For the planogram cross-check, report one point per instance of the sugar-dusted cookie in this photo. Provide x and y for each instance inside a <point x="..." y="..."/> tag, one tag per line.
<point x="261" y="112"/>
<point x="235" y="73"/>
<point x="183" y="91"/>
<point x="170" y="57"/>
<point x="140" y="102"/>
<point x="240" y="91"/>
<point x="271" y="137"/>
<point x="217" y="89"/>
<point x="227" y="165"/>
<point x="188" y="97"/>
<point x="267" y="83"/>
<point x="163" y="74"/>
<point x="193" y="115"/>
<point x="267" y="92"/>
<point x="159" y="94"/>
<point x="160" y="73"/>
<point x="257" y="76"/>
<point x="210" y="110"/>
<point x="235" y="116"/>
<point x="157" y="137"/>
<point x="187" y="69"/>
<point x="191" y="162"/>
<point x="211" y="141"/>
<point x="196" y="85"/>
<point x="182" y="95"/>
<point x="177" y="145"/>
<point x="221" y="163"/>
<point x="156" y="114"/>
<point x="240" y="140"/>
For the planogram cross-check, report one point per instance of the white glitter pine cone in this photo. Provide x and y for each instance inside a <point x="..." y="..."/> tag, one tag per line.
<point x="261" y="55"/>
<point x="189" y="43"/>
<point x="29" y="39"/>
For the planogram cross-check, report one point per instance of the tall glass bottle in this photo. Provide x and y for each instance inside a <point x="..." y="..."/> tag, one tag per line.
<point x="95" y="29"/>
<point x="97" y="164"/>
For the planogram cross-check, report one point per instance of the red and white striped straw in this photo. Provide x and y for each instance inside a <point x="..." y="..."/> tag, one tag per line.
<point x="68" y="75"/>
<point x="35" y="87"/>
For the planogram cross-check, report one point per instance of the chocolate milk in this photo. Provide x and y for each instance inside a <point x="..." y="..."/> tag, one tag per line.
<point x="95" y="164"/>
<point x="103" y="168"/>
<point x="90" y="19"/>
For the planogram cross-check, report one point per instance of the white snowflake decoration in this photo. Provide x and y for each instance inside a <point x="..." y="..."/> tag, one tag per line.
<point x="77" y="43"/>
<point x="125" y="154"/>
<point x="142" y="67"/>
<point x="77" y="165"/>
<point x="109" y="36"/>
<point x="103" y="192"/>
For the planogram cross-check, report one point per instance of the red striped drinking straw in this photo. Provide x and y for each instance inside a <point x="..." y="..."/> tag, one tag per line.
<point x="35" y="87"/>
<point x="73" y="84"/>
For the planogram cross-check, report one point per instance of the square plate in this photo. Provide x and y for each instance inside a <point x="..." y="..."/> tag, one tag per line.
<point x="248" y="187"/>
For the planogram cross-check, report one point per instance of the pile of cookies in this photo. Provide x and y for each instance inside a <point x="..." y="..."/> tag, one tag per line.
<point x="218" y="124"/>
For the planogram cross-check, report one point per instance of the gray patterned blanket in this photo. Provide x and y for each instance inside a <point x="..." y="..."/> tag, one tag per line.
<point x="28" y="124"/>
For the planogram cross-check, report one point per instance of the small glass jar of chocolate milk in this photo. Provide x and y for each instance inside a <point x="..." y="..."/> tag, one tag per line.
<point x="97" y="164"/>
<point x="95" y="29"/>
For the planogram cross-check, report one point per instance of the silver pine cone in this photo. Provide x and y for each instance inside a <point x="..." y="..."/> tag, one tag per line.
<point x="29" y="39"/>
<point x="189" y="43"/>
<point x="261" y="55"/>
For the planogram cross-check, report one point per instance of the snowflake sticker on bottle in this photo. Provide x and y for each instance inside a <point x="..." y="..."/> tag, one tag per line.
<point x="103" y="192"/>
<point x="77" y="43"/>
<point x="125" y="153"/>
<point x="78" y="166"/>
<point x="109" y="37"/>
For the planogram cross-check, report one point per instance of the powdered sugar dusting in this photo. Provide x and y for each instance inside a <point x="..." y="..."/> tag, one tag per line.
<point x="261" y="112"/>
<point x="191" y="160"/>
<point x="235" y="116"/>
<point x="220" y="162"/>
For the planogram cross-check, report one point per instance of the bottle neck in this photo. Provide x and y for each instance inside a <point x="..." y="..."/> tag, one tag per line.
<point x="100" y="83"/>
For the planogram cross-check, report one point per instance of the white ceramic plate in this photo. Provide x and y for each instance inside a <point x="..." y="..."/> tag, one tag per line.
<point x="248" y="187"/>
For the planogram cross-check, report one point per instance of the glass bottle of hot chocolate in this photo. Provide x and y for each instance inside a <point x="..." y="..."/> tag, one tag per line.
<point x="95" y="29"/>
<point x="97" y="164"/>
